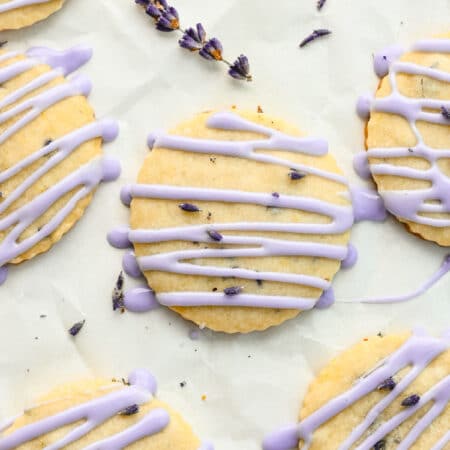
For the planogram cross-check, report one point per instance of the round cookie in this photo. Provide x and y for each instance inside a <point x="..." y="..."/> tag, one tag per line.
<point x="143" y="423"/>
<point x="408" y="136"/>
<point x="16" y="14"/>
<point x="50" y="150"/>
<point x="386" y="392"/>
<point x="238" y="168"/>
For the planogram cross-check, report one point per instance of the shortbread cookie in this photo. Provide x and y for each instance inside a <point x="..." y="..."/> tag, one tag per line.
<point x="387" y="392"/>
<point x="237" y="222"/>
<point x="22" y="13"/>
<point x="95" y="414"/>
<point x="50" y="150"/>
<point x="408" y="136"/>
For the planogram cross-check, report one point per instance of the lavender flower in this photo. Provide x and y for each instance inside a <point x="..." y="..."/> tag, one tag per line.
<point x="234" y="290"/>
<point x="314" y="35"/>
<point x="295" y="175"/>
<point x="412" y="400"/>
<point x="166" y="19"/>
<point x="189" y="207"/>
<point x="215" y="235"/>
<point x="76" y="328"/>
<point x="212" y="50"/>
<point x="193" y="40"/>
<point x="320" y="4"/>
<point x="445" y="112"/>
<point x="130" y="410"/>
<point x="240" y="69"/>
<point x="388" y="384"/>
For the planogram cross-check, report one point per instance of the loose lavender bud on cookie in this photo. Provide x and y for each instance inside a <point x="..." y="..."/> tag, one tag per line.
<point x="412" y="400"/>
<point x="388" y="384"/>
<point x="234" y="290"/>
<point x="189" y="207"/>
<point x="295" y="175"/>
<point x="215" y="235"/>
<point x="130" y="410"/>
<point x="314" y="35"/>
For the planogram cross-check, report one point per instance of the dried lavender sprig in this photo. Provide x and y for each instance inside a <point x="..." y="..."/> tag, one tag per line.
<point x="320" y="4"/>
<point x="314" y="35"/>
<point x="166" y="19"/>
<point x="445" y="112"/>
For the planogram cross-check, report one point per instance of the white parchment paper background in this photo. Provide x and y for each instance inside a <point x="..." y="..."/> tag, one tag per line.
<point x="253" y="383"/>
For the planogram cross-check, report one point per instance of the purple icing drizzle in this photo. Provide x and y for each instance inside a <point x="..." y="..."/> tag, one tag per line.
<point x="340" y="220"/>
<point x="416" y="353"/>
<point x="96" y="412"/>
<point x="141" y="299"/>
<point x="412" y="205"/>
<point x="86" y="178"/>
<point x="14" y="4"/>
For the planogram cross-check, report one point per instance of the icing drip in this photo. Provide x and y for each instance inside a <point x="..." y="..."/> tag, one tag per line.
<point x="340" y="220"/>
<point x="96" y="412"/>
<point x="416" y="353"/>
<point x="14" y="4"/>
<point x="412" y="205"/>
<point x="85" y="179"/>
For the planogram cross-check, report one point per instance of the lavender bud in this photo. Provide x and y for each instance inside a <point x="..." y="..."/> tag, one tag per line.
<point x="296" y="175"/>
<point x="314" y="35"/>
<point x="231" y="291"/>
<point x="168" y="20"/>
<point x="412" y="400"/>
<point x="212" y="50"/>
<point x="445" y="112"/>
<point x="142" y="2"/>
<point x="240" y="69"/>
<point x="153" y="11"/>
<point x="320" y="4"/>
<point x="189" y="207"/>
<point x="275" y="194"/>
<point x="388" y="384"/>
<point x="380" y="445"/>
<point x="215" y="235"/>
<point x="130" y="410"/>
<point x="76" y="328"/>
<point x="193" y="40"/>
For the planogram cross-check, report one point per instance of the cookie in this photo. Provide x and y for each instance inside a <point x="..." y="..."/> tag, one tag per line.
<point x="386" y="392"/>
<point x="408" y="136"/>
<point x="238" y="223"/>
<point x="95" y="414"/>
<point x="16" y="14"/>
<point x="50" y="150"/>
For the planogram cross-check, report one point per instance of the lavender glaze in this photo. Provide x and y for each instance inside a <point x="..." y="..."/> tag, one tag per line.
<point x="340" y="221"/>
<point x="417" y="352"/>
<point x="86" y="178"/>
<point x="412" y="205"/>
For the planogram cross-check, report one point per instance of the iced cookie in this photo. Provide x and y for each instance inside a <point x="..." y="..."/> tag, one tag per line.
<point x="408" y="136"/>
<point x="22" y="13"/>
<point x="50" y="150"/>
<point x="387" y="392"/>
<point x="238" y="223"/>
<point x="95" y="414"/>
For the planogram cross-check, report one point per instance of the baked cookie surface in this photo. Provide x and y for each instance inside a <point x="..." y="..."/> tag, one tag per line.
<point x="408" y="136"/>
<point x="50" y="150"/>
<point x="16" y="14"/>
<point x="97" y="414"/>
<point x="386" y="392"/>
<point x="237" y="222"/>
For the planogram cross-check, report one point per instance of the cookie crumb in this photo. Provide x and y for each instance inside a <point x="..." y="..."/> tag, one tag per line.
<point x="204" y="397"/>
<point x="259" y="110"/>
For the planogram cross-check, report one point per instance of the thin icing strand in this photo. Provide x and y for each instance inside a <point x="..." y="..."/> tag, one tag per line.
<point x="412" y="205"/>
<point x="86" y="178"/>
<point x="340" y="220"/>
<point x="416" y="353"/>
<point x="14" y="4"/>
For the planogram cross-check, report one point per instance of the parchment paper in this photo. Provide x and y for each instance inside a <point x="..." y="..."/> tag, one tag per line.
<point x="254" y="382"/>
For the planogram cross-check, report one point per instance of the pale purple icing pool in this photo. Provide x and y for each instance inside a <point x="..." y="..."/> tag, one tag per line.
<point x="410" y="204"/>
<point x="86" y="178"/>
<point x="340" y="220"/>
<point x="142" y="387"/>
<point x="416" y="353"/>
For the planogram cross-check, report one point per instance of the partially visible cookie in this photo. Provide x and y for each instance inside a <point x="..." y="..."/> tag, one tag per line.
<point x="408" y="136"/>
<point x="50" y="150"/>
<point x="101" y="415"/>
<point x="237" y="222"/>
<point x="386" y="392"/>
<point x="16" y="14"/>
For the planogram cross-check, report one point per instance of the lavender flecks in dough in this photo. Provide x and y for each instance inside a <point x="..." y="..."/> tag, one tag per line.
<point x="314" y="35"/>
<point x="232" y="291"/>
<point x="189" y="207"/>
<point x="76" y="328"/>
<point x="417" y="352"/>
<point x="28" y="107"/>
<point x="341" y="219"/>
